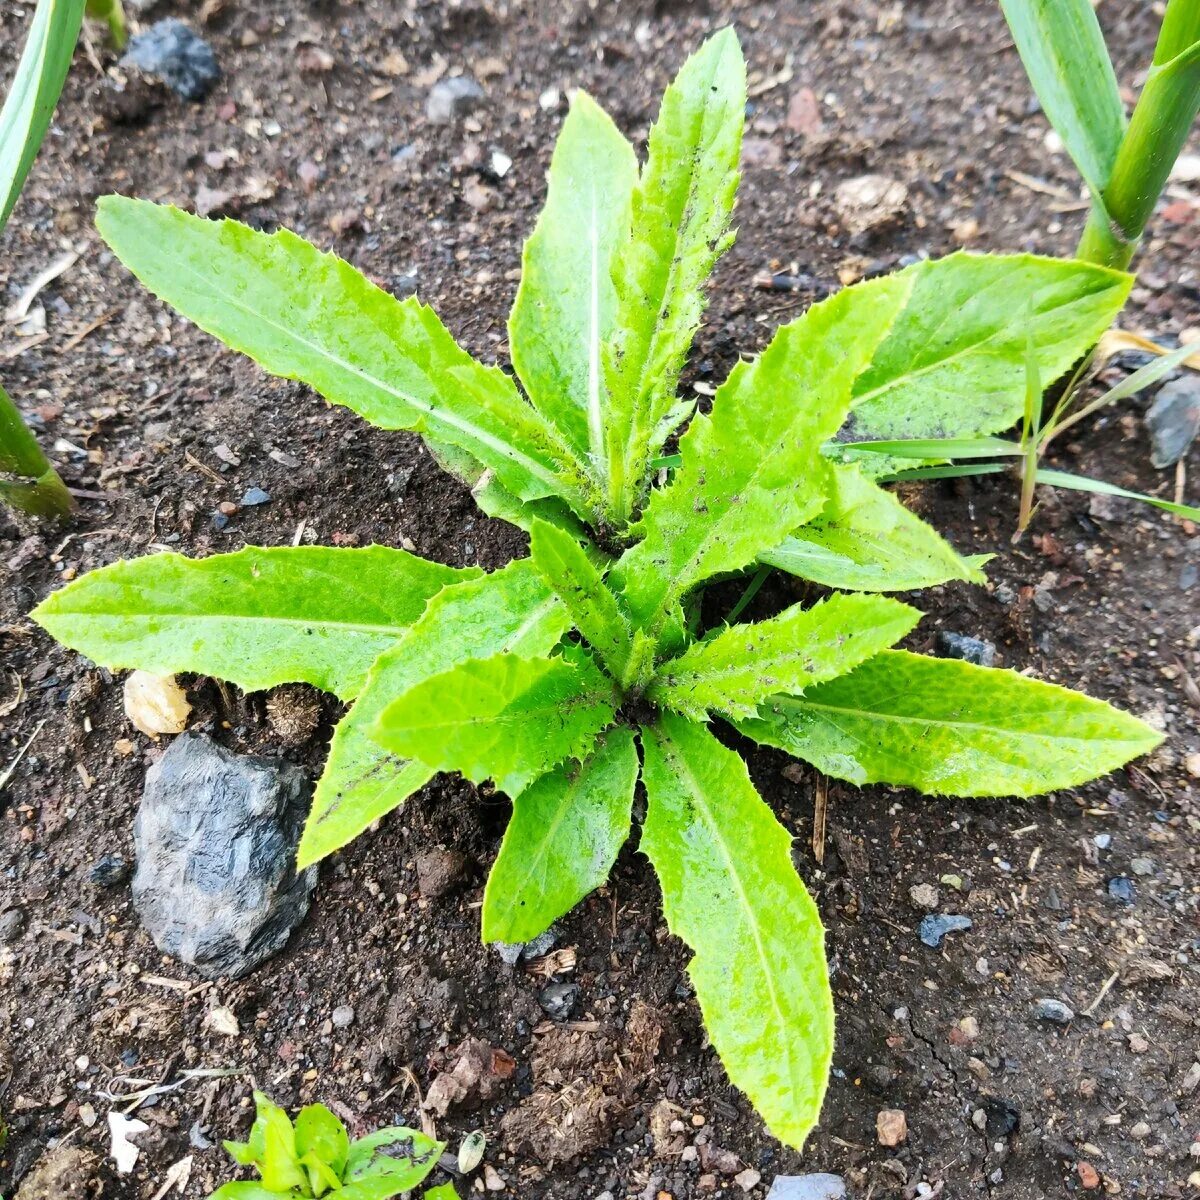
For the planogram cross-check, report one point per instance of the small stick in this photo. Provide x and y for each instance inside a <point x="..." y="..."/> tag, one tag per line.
<point x="1095" y="1004"/>
<point x="820" y="812"/>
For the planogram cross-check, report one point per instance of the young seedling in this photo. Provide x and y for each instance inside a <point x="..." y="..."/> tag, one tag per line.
<point x="112" y="14"/>
<point x="315" y="1157"/>
<point x="1125" y="164"/>
<point x="28" y="483"/>
<point x="566" y="677"/>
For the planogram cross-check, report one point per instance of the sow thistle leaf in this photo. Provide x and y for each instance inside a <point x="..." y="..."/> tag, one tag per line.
<point x="949" y="728"/>
<point x="865" y="540"/>
<point x="505" y="718"/>
<point x="307" y="315"/>
<point x="389" y="1162"/>
<point x="680" y="227"/>
<point x="578" y="583"/>
<point x="734" y="671"/>
<point x="257" y="618"/>
<point x="731" y="893"/>
<point x="564" y="836"/>
<point x="511" y="611"/>
<point x="751" y="472"/>
<point x="954" y="363"/>
<point x="566" y="305"/>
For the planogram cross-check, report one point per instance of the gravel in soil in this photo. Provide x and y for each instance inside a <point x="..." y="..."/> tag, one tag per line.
<point x="320" y="121"/>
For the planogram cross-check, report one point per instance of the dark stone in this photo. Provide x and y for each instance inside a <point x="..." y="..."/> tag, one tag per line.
<point x="440" y="871"/>
<point x="968" y="649"/>
<point x="12" y="925"/>
<point x="1048" y="1009"/>
<point x="558" y="1000"/>
<point x="935" y="927"/>
<point x="110" y="871"/>
<point x="176" y="54"/>
<point x="1003" y="1116"/>
<point x="1122" y="889"/>
<point x="216" y="837"/>
<point x="1174" y="420"/>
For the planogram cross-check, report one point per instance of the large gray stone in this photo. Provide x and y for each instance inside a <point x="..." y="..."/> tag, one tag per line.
<point x="216" y="837"/>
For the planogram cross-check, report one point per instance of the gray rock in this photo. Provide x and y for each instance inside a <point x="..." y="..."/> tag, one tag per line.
<point x="173" y="52"/>
<point x="935" y="927"/>
<point x="513" y="952"/>
<point x="808" y="1187"/>
<point x="12" y="925"/>
<point x="450" y="99"/>
<point x="216" y="837"/>
<point x="1048" y="1009"/>
<point x="968" y="649"/>
<point x="342" y="1017"/>
<point x="109" y="871"/>
<point x="1174" y="420"/>
<point x="558" y="1000"/>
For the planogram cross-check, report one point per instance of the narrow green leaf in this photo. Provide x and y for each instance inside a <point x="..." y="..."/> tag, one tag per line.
<point x="307" y="315"/>
<point x="34" y="93"/>
<point x="680" y="227"/>
<point x="865" y="540"/>
<point x="566" y="305"/>
<point x="954" y="363"/>
<point x="578" y="583"/>
<point x="511" y="611"/>
<point x="738" y="668"/>
<point x="752" y="471"/>
<point x="566" y="831"/>
<point x="950" y="728"/>
<point x="256" y="618"/>
<point x="731" y="893"/>
<point x="506" y="718"/>
<point x="940" y="448"/>
<point x="320" y="1132"/>
<point x="1081" y="483"/>
<point x="1063" y="50"/>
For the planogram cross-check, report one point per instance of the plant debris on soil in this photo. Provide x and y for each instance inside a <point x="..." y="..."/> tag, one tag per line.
<point x="877" y="131"/>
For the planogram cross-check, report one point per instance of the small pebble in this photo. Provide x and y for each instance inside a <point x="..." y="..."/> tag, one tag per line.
<point x="12" y="925"/>
<point x="1048" y="1009"/>
<point x="923" y="895"/>
<point x="491" y="1179"/>
<point x="1089" y="1177"/>
<point x="177" y="55"/>
<point x="891" y="1127"/>
<point x="1142" y="867"/>
<point x="1122" y="889"/>
<point x="558" y="1000"/>
<point x="110" y="871"/>
<point x="450" y="99"/>
<point x="808" y="1187"/>
<point x="968" y="649"/>
<point x="254" y="496"/>
<point x="935" y="927"/>
<point x="748" y="1179"/>
<point x="342" y="1016"/>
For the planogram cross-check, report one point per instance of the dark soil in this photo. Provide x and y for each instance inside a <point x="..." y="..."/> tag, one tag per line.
<point x="135" y="403"/>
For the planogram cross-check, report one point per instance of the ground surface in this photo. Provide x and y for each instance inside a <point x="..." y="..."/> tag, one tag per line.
<point x="1103" y="598"/>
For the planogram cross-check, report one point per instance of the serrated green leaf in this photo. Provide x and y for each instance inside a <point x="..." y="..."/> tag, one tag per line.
<point x="566" y="831"/>
<point x="510" y="611"/>
<point x="735" y="670"/>
<point x="950" y="728"/>
<point x="566" y="305"/>
<point x="307" y="315"/>
<point x="954" y="362"/>
<point x="36" y="86"/>
<point x="578" y="583"/>
<point x="505" y="718"/>
<point x="256" y="618"/>
<point x="241" y="1152"/>
<point x="752" y="471"/>
<point x="731" y="893"/>
<point x="321" y="1133"/>
<point x="1063" y="50"/>
<point x="680" y="227"/>
<point x="865" y="540"/>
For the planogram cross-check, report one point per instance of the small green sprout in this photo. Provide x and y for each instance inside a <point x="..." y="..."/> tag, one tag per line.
<point x="314" y="1157"/>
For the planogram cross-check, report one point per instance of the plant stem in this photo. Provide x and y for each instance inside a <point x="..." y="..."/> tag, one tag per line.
<point x="1157" y="132"/>
<point x="37" y="490"/>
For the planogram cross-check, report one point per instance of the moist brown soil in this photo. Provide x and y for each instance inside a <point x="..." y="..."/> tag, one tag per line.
<point x="136" y="403"/>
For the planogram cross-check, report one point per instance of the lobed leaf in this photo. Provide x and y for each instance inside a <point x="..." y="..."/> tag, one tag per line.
<point x="256" y="618"/>
<point x="751" y="472"/>
<point x="680" y="227"/>
<point x="865" y="540"/>
<point x="950" y="728"/>
<point x="738" y="668"/>
<point x="566" y="831"/>
<point x="33" y="96"/>
<point x="731" y="893"/>
<point x="505" y="718"/>
<point x="593" y="609"/>
<point x="1063" y="50"/>
<point x="565" y="311"/>
<point x="307" y="315"/>
<point x="511" y="611"/>
<point x="954" y="363"/>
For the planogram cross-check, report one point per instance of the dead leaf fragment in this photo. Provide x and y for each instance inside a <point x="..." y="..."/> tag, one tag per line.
<point x="223" y="1021"/>
<point x="156" y="704"/>
<point x="124" y="1153"/>
<point x="478" y="1072"/>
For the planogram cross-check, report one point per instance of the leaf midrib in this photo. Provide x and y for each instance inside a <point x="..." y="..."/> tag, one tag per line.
<point x="358" y="627"/>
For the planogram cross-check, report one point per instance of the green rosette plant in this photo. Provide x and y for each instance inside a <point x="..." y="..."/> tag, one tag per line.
<point x="568" y="676"/>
